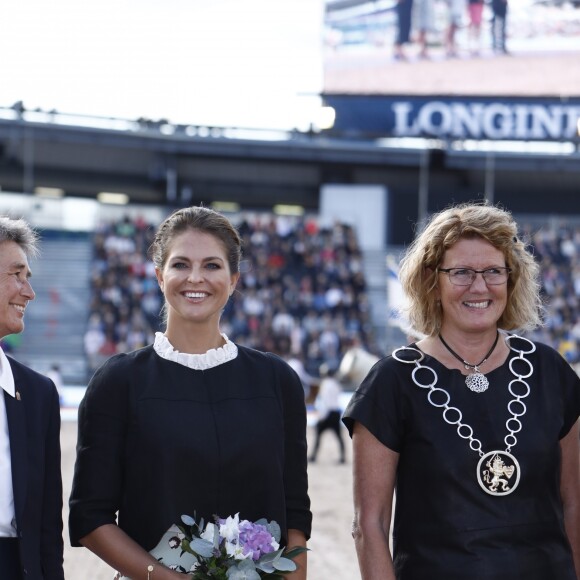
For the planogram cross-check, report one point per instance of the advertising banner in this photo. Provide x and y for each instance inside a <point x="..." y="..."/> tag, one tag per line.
<point x="452" y="117"/>
<point x="453" y="69"/>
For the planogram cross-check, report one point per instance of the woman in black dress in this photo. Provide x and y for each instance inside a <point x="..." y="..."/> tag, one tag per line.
<point x="476" y="429"/>
<point x="192" y="424"/>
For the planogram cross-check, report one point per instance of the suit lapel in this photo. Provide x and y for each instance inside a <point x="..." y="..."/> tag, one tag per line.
<point x="17" y="428"/>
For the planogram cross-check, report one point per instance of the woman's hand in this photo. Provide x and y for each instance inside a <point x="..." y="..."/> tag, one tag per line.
<point x="122" y="553"/>
<point x="296" y="538"/>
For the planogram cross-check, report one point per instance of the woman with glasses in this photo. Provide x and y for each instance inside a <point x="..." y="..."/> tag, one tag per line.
<point x="475" y="427"/>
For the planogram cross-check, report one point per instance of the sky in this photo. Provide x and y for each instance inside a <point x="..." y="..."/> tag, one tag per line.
<point x="245" y="63"/>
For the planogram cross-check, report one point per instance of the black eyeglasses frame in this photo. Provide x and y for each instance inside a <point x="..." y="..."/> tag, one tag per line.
<point x="507" y="270"/>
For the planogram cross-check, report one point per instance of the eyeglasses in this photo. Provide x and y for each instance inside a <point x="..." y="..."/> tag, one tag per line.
<point x="466" y="276"/>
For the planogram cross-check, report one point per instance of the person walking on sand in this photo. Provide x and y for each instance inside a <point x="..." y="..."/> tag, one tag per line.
<point x="327" y="404"/>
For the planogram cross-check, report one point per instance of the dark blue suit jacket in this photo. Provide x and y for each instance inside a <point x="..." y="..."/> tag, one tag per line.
<point x="34" y="429"/>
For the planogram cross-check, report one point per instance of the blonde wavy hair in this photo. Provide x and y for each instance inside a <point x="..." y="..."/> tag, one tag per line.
<point x="418" y="268"/>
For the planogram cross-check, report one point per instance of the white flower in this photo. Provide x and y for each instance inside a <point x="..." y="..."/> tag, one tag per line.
<point x="274" y="544"/>
<point x="208" y="533"/>
<point x="237" y="551"/>
<point x="230" y="529"/>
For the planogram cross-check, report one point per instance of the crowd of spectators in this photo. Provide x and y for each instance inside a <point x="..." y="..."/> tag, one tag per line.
<point x="302" y="291"/>
<point x="557" y="248"/>
<point x="301" y="294"/>
<point x="125" y="300"/>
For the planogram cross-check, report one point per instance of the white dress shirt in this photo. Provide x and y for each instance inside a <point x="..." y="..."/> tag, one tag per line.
<point x="328" y="398"/>
<point x="7" y="521"/>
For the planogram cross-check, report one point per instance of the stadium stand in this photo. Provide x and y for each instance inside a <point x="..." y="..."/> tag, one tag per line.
<point x="125" y="300"/>
<point x="557" y="247"/>
<point x="57" y="319"/>
<point x="302" y="293"/>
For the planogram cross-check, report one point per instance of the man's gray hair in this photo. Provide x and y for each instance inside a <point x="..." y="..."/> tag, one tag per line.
<point x="19" y="231"/>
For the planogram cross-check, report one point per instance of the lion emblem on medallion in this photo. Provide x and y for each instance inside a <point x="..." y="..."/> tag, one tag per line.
<point x="497" y="473"/>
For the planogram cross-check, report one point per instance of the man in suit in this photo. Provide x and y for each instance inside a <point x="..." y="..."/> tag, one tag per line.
<point x="31" y="543"/>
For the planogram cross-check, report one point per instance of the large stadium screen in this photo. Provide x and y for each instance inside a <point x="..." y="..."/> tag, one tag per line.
<point x="447" y="78"/>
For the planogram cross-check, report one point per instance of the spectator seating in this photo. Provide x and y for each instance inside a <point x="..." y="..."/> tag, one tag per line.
<point x="302" y="292"/>
<point x="557" y="248"/>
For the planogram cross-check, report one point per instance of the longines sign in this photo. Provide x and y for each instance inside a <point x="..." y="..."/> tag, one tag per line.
<point x="525" y="119"/>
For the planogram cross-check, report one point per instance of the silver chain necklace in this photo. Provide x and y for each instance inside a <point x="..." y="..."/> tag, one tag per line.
<point x="498" y="472"/>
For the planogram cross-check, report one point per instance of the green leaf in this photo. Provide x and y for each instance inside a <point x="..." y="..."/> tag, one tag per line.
<point x="293" y="552"/>
<point x="244" y="570"/>
<point x="266" y="563"/>
<point x="265" y="567"/>
<point x="216" y="537"/>
<point x="271" y="556"/>
<point x="185" y="547"/>
<point x="284" y="565"/>
<point x="274" y="529"/>
<point x="201" y="547"/>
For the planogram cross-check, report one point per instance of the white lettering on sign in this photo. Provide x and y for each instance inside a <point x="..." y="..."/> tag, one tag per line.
<point x="486" y="120"/>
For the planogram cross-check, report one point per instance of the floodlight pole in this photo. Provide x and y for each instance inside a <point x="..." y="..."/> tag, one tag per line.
<point x="490" y="176"/>
<point x="28" y="161"/>
<point x="171" y="185"/>
<point x="423" y="194"/>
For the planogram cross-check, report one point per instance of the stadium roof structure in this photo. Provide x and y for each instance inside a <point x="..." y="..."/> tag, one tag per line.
<point x="155" y="163"/>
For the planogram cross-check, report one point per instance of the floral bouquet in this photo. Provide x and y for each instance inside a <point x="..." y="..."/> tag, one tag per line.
<point x="228" y="549"/>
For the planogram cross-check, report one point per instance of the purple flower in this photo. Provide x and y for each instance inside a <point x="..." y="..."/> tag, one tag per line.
<point x="256" y="539"/>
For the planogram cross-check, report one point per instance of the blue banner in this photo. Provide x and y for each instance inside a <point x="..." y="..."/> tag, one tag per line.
<point x="452" y="118"/>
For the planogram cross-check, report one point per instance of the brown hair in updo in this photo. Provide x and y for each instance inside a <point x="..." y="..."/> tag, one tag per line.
<point x="201" y="219"/>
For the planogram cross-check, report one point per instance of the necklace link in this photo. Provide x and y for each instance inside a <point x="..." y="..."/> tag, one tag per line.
<point x="497" y="471"/>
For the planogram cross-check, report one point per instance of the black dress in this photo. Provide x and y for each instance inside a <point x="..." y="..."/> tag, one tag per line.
<point x="446" y="527"/>
<point x="158" y="439"/>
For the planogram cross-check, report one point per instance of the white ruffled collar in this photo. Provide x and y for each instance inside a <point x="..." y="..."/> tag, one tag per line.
<point x="199" y="362"/>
